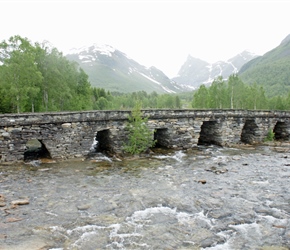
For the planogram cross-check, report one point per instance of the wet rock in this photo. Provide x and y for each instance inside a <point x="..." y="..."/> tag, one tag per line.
<point x="31" y="244"/>
<point x="3" y="236"/>
<point x="20" y="202"/>
<point x="44" y="169"/>
<point x="209" y="242"/>
<point x="46" y="160"/>
<point x="2" y="200"/>
<point x="217" y="170"/>
<point x="35" y="163"/>
<point x="84" y="207"/>
<point x="10" y="220"/>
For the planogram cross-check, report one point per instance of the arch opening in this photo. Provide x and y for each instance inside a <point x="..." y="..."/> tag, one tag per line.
<point x="162" y="138"/>
<point x="102" y="142"/>
<point x="35" y="149"/>
<point x="249" y="132"/>
<point x="210" y="134"/>
<point x="281" y="131"/>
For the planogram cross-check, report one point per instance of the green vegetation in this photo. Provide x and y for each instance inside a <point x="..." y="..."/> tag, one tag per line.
<point x="270" y="136"/>
<point x="235" y="94"/>
<point x="271" y="70"/>
<point x="38" y="78"/>
<point x="140" y="136"/>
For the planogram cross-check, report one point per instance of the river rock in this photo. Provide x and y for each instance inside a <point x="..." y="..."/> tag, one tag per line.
<point x="84" y="207"/>
<point x="217" y="170"/>
<point x="2" y="197"/>
<point x="2" y="204"/>
<point x="20" y="202"/>
<point x="9" y="220"/>
<point x="209" y="242"/>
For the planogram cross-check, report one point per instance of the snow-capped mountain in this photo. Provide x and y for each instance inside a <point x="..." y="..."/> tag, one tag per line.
<point x="113" y="70"/>
<point x="195" y="72"/>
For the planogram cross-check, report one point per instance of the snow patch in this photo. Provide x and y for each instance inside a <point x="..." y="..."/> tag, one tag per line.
<point x="104" y="49"/>
<point x="158" y="83"/>
<point x="101" y="49"/>
<point x="149" y="78"/>
<point x="234" y="67"/>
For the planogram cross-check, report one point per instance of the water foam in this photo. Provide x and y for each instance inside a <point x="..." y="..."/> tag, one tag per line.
<point x="177" y="156"/>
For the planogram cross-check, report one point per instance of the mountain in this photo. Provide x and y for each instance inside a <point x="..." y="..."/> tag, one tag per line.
<point x="113" y="70"/>
<point x="270" y="70"/>
<point x="195" y="72"/>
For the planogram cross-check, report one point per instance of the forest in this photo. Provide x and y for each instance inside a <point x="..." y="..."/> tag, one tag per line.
<point x="235" y="94"/>
<point x="39" y="78"/>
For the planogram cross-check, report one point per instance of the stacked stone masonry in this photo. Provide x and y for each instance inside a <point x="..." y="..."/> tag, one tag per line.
<point x="71" y="134"/>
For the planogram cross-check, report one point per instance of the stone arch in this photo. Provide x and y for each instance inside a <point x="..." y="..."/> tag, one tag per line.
<point x="281" y="131"/>
<point x="162" y="138"/>
<point x="35" y="149"/>
<point x="249" y="132"/>
<point x="102" y="142"/>
<point x="210" y="133"/>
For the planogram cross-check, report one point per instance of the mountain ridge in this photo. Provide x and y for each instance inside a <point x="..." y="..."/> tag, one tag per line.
<point x="112" y="69"/>
<point x="195" y="71"/>
<point x="270" y="70"/>
<point x="109" y="68"/>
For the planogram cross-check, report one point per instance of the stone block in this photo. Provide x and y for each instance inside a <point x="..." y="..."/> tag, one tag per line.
<point x="66" y="125"/>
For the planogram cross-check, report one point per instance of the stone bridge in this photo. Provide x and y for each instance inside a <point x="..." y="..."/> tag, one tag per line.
<point x="63" y="135"/>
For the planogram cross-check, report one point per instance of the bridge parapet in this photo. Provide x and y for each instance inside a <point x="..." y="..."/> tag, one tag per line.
<point x="71" y="134"/>
<point x="105" y="115"/>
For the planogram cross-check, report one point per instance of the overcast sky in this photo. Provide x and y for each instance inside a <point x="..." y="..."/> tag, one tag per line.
<point x="154" y="33"/>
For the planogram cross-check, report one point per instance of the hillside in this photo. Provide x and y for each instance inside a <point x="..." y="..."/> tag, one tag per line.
<point x="270" y="70"/>
<point x="113" y="70"/>
<point x="195" y="72"/>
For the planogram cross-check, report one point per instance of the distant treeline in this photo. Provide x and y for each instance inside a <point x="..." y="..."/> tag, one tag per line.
<point x="235" y="94"/>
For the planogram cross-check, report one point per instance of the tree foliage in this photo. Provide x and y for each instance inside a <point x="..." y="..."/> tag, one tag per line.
<point x="232" y="94"/>
<point x="39" y="78"/>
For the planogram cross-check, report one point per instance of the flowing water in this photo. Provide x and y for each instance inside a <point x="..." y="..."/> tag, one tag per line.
<point x="208" y="198"/>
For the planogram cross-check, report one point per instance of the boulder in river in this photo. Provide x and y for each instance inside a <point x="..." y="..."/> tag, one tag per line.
<point x="20" y="202"/>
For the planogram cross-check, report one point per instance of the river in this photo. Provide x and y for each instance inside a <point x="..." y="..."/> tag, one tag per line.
<point x="209" y="198"/>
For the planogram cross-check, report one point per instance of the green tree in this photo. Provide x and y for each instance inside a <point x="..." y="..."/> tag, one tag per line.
<point x="21" y="77"/>
<point x="217" y="94"/>
<point x="237" y="93"/>
<point x="84" y="91"/>
<point x="140" y="137"/>
<point x="201" y="98"/>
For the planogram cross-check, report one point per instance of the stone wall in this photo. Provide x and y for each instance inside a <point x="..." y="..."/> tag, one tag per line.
<point x="71" y="134"/>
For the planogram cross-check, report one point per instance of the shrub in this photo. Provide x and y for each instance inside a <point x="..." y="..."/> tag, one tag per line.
<point x="270" y="136"/>
<point x="140" y="136"/>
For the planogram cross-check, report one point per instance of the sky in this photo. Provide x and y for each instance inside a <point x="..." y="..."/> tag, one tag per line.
<point x="156" y="33"/>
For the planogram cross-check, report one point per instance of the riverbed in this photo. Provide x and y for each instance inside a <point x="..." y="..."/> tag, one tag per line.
<point x="206" y="198"/>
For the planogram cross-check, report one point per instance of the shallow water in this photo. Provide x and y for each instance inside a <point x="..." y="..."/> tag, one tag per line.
<point x="209" y="198"/>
